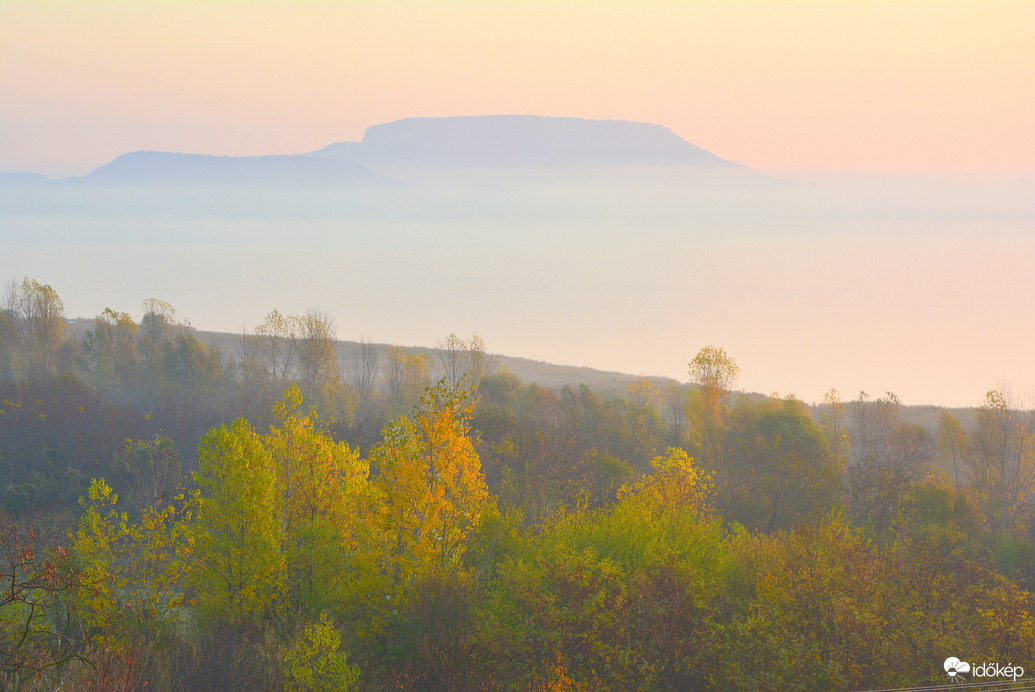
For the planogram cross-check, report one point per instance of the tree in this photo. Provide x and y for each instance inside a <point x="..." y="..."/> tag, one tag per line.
<point x="363" y="374"/>
<point x="33" y="582"/>
<point x="319" y="486"/>
<point x="674" y="400"/>
<point x="131" y="570"/>
<point x="152" y="469"/>
<point x="157" y="327"/>
<point x="834" y="424"/>
<point x="887" y="453"/>
<point x="953" y="445"/>
<point x="314" y="663"/>
<point x="713" y="373"/>
<point x="779" y="470"/>
<point x="112" y="350"/>
<point x="239" y="576"/>
<point x="275" y="345"/>
<point x="39" y="316"/>
<point x="431" y="486"/>
<point x="459" y="358"/>
<point x="314" y="348"/>
<point x="1002" y="463"/>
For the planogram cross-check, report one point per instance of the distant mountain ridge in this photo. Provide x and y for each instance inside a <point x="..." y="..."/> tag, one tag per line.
<point x="521" y="140"/>
<point x="158" y="167"/>
<point x="483" y="142"/>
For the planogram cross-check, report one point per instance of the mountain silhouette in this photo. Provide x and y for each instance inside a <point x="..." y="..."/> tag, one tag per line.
<point x="520" y="141"/>
<point x="165" y="168"/>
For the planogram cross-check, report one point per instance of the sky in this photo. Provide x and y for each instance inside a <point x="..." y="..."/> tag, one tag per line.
<point x="920" y="283"/>
<point x="918" y="86"/>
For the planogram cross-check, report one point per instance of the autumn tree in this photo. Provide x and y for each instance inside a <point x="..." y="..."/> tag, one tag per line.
<point x="237" y="528"/>
<point x="431" y="487"/>
<point x="713" y="373"/>
<point x="38" y="314"/>
<point x="131" y="569"/>
<point x="319" y="484"/>
<point x="35" y="583"/>
<point x="622" y="597"/>
<point x="315" y="664"/>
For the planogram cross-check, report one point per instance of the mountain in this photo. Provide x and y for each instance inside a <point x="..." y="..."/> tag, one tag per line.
<point x="165" y="168"/>
<point x="520" y="141"/>
<point x="23" y="179"/>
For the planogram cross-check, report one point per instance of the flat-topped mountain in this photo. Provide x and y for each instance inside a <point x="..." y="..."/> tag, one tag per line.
<point x="520" y="141"/>
<point x="165" y="168"/>
<point x="480" y="144"/>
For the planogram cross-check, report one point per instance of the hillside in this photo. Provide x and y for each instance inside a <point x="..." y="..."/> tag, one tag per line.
<point x="550" y="375"/>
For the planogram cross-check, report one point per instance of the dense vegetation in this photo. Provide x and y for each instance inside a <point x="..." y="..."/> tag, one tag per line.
<point x="177" y="518"/>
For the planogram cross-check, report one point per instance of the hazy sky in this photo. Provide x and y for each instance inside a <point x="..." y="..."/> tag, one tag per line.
<point x="919" y="287"/>
<point x="916" y="85"/>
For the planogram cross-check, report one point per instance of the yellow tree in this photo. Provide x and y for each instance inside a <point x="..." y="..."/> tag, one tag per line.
<point x="238" y="574"/>
<point x="319" y="485"/>
<point x="431" y="487"/>
<point x="131" y="570"/>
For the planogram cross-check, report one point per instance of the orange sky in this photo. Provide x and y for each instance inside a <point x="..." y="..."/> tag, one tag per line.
<point x="871" y="85"/>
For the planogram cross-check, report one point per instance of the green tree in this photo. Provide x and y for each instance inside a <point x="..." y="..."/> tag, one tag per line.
<point x="779" y="469"/>
<point x="111" y="348"/>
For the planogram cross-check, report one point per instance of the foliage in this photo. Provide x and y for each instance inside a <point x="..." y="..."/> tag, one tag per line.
<point x="131" y="573"/>
<point x="34" y="583"/>
<point x="779" y="469"/>
<point x="239" y="576"/>
<point x="315" y="664"/>
<point x="430" y="487"/>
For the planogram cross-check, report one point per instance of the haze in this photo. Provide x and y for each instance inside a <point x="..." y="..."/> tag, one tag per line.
<point x="918" y="282"/>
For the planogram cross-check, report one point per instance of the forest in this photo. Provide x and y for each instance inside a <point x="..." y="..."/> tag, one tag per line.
<point x="176" y="517"/>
